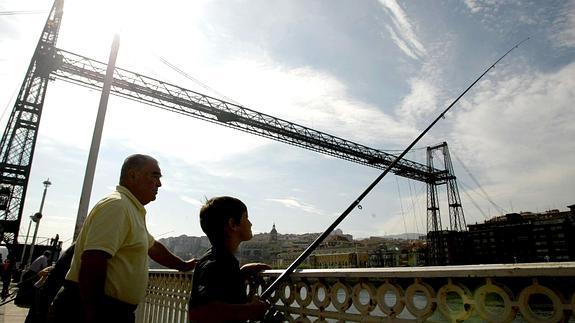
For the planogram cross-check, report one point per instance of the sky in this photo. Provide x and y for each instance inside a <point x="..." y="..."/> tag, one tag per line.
<point x="373" y="72"/>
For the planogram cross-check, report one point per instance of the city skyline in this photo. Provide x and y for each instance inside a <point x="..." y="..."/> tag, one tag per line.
<point x="375" y="72"/>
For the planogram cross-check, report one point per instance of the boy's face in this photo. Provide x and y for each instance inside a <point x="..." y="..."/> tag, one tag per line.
<point x="245" y="228"/>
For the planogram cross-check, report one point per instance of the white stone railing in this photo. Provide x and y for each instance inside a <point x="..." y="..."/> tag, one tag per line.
<point x="536" y="292"/>
<point x="166" y="298"/>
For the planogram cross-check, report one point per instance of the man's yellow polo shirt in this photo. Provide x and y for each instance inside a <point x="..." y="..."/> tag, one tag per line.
<point x="117" y="226"/>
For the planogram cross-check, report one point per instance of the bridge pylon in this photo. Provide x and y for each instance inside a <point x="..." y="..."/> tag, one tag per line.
<point x="19" y="138"/>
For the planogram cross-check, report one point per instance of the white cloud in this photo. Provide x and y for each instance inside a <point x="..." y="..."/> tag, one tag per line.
<point x="305" y="96"/>
<point x="513" y="131"/>
<point x="419" y="102"/>
<point x="293" y="203"/>
<point x="563" y="27"/>
<point x="477" y="6"/>
<point x="521" y="129"/>
<point x="400" y="43"/>
<point x="191" y="201"/>
<point x="402" y="31"/>
<point x="473" y="5"/>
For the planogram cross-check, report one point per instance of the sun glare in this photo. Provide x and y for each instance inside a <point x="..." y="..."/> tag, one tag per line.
<point x="92" y="23"/>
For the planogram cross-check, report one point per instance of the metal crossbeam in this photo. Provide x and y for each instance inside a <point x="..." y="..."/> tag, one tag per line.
<point x="88" y="72"/>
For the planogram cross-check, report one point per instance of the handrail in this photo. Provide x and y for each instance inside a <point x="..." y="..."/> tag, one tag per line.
<point x="526" y="292"/>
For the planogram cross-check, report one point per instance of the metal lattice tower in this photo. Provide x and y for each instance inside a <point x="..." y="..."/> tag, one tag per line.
<point x="439" y="238"/>
<point x="19" y="138"/>
<point x="17" y="145"/>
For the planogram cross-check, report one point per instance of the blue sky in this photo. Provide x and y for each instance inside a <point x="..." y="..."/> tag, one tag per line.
<point x="374" y="72"/>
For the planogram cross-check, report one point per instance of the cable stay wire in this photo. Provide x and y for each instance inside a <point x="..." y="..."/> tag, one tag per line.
<point x="22" y="12"/>
<point x="467" y="188"/>
<point x="398" y="151"/>
<point x="413" y="204"/>
<point x="191" y="78"/>
<point x="497" y="207"/>
<point x="401" y="207"/>
<point x="9" y="104"/>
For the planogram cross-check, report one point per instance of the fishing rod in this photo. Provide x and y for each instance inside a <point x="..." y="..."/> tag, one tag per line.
<point x="355" y="203"/>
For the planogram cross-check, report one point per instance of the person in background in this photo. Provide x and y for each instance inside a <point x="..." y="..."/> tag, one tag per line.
<point x="219" y="285"/>
<point x="108" y="275"/>
<point x="7" y="270"/>
<point x="51" y="279"/>
<point x="40" y="263"/>
<point x="26" y="290"/>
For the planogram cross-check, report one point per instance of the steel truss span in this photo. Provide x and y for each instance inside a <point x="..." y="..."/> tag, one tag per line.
<point x="88" y="72"/>
<point x="18" y="142"/>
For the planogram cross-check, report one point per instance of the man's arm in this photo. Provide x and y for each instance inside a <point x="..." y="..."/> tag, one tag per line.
<point x="92" y="279"/>
<point x="217" y="311"/>
<point x="160" y="254"/>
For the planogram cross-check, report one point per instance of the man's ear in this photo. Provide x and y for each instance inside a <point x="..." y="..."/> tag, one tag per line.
<point x="130" y="176"/>
<point x="133" y="175"/>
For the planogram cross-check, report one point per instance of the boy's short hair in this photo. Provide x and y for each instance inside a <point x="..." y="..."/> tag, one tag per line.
<point x="215" y="214"/>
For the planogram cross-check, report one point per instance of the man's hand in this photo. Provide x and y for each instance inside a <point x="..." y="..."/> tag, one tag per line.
<point x="188" y="265"/>
<point x="43" y="274"/>
<point x="160" y="254"/>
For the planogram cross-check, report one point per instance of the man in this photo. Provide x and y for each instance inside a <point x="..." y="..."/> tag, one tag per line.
<point x="8" y="268"/>
<point x="108" y="275"/>
<point x="51" y="279"/>
<point x="40" y="263"/>
<point x="218" y="286"/>
<point x="26" y="290"/>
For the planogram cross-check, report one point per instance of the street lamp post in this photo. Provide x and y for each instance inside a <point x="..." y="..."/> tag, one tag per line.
<point x="25" y="244"/>
<point x="36" y="218"/>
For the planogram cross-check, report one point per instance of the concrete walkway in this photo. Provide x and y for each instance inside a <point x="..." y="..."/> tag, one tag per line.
<point x="10" y="313"/>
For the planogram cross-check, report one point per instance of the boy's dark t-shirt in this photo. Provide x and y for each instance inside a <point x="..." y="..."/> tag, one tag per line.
<point x="217" y="277"/>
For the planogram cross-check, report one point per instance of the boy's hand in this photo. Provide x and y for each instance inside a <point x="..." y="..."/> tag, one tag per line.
<point x="254" y="268"/>
<point x="258" y="307"/>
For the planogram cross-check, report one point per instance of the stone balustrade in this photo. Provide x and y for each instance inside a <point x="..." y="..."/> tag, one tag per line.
<point x="166" y="298"/>
<point x="534" y="292"/>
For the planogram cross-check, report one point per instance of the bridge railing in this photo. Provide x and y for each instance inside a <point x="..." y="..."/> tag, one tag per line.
<point x="535" y="292"/>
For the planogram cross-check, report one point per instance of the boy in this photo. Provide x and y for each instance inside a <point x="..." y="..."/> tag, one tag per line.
<point x="218" y="286"/>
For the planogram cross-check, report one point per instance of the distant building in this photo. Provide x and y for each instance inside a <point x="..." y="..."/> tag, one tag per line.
<point x="447" y="247"/>
<point x="338" y="250"/>
<point x="524" y="237"/>
<point x="273" y="234"/>
<point x="339" y="260"/>
<point x="397" y="253"/>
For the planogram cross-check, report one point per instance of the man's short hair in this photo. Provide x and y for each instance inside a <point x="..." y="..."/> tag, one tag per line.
<point x="215" y="214"/>
<point x="133" y="162"/>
